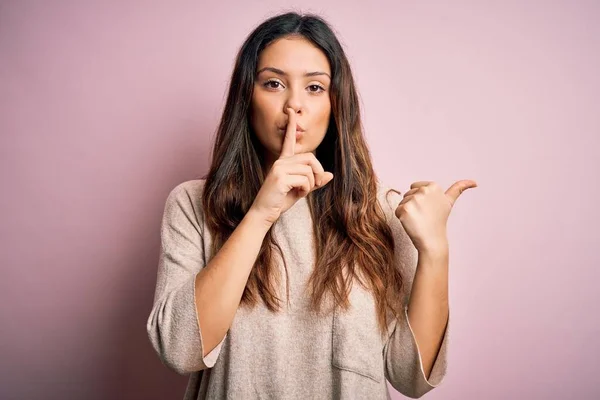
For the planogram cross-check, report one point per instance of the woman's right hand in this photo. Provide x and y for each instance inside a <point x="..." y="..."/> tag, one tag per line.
<point x="291" y="177"/>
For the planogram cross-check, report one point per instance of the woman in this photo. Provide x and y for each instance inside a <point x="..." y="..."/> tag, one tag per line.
<point x="286" y="272"/>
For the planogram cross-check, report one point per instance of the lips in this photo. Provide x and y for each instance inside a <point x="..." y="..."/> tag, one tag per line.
<point x="299" y="133"/>
<point x="298" y="128"/>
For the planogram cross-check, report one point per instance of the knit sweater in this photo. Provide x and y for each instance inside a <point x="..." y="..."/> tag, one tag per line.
<point x="291" y="354"/>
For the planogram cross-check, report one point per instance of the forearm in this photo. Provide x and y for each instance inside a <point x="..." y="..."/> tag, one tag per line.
<point x="220" y="285"/>
<point x="428" y="307"/>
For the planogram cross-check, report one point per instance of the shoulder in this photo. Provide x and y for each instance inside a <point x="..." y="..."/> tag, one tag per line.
<point x="185" y="199"/>
<point x="389" y="197"/>
<point x="191" y="188"/>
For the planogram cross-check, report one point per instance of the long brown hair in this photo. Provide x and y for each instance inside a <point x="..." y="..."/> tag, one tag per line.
<point x="350" y="228"/>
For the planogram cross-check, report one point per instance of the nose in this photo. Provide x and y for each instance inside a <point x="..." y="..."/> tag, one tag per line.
<point x="294" y="101"/>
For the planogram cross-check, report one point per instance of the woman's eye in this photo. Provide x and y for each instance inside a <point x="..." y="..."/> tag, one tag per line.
<point x="275" y="85"/>
<point x="319" y="88"/>
<point x="267" y="83"/>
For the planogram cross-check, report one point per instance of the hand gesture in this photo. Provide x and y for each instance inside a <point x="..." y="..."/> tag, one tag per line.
<point x="291" y="177"/>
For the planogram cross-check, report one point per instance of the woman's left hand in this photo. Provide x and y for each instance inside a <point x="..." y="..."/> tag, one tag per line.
<point x="424" y="213"/>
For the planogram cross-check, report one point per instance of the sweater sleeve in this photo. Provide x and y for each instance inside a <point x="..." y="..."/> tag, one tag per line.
<point x="402" y="357"/>
<point x="173" y="327"/>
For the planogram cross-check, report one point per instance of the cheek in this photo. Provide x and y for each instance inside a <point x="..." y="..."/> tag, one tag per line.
<point x="266" y="113"/>
<point x="326" y="110"/>
<point x="263" y="119"/>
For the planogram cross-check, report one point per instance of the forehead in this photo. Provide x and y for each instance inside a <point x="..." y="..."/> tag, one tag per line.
<point x="293" y="55"/>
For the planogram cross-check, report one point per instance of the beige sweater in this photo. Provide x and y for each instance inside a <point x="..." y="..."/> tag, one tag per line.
<point x="292" y="354"/>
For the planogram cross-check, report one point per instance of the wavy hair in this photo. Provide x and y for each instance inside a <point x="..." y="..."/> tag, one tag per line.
<point x="350" y="228"/>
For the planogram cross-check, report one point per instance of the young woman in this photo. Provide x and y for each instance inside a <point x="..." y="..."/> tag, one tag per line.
<point x="290" y="271"/>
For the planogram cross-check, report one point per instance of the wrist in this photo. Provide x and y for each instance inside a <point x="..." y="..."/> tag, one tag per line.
<point x="435" y="250"/>
<point x="257" y="220"/>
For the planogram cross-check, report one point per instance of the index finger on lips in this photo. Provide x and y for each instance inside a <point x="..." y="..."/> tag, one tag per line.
<point x="289" y="141"/>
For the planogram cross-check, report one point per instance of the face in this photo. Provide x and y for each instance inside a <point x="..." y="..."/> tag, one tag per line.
<point x="292" y="72"/>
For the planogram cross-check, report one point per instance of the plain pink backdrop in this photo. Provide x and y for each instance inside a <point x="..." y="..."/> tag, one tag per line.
<point x="106" y="106"/>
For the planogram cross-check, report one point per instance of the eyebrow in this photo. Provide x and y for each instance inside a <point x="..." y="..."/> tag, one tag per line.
<point x="280" y="72"/>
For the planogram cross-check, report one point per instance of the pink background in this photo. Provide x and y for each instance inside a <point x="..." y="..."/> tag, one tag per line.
<point x="105" y="107"/>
